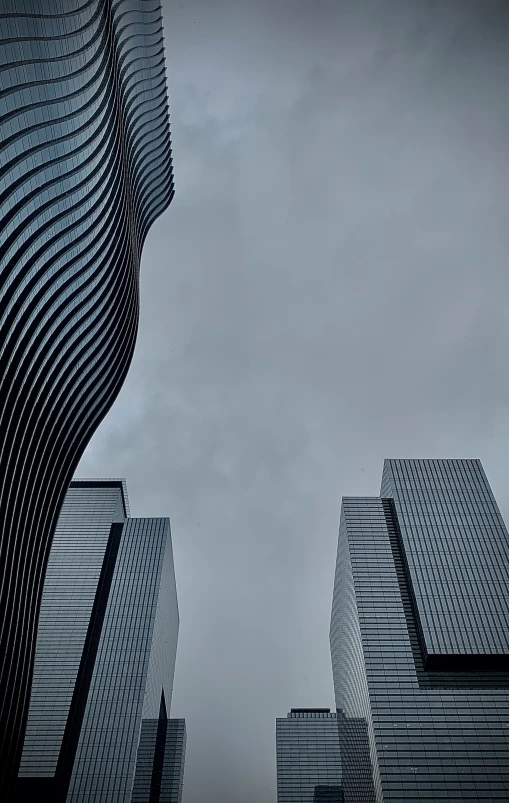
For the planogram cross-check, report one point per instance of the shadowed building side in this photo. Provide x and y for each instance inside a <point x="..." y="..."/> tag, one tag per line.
<point x="107" y="641"/>
<point x="85" y="168"/>
<point x="419" y="638"/>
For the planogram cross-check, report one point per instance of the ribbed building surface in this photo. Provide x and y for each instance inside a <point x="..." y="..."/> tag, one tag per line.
<point x="418" y="634"/>
<point x="308" y="757"/>
<point x="85" y="168"/>
<point x="107" y="642"/>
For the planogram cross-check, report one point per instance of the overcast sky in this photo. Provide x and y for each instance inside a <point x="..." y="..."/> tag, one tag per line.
<point x="330" y="287"/>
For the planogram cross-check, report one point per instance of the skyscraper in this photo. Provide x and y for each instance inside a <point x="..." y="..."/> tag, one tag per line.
<point x="85" y="168"/>
<point x="420" y="637"/>
<point x="105" y="658"/>
<point x="307" y="757"/>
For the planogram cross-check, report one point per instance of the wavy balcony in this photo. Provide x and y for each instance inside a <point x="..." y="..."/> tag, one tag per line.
<point x="85" y="168"/>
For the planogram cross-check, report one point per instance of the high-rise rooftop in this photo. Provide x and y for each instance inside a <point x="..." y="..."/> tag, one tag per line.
<point x="307" y="754"/>
<point x="105" y="658"/>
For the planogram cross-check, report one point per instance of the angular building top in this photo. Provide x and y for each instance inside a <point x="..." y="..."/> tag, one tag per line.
<point x="308" y="757"/>
<point x="418" y="659"/>
<point x="456" y="551"/>
<point x="105" y="482"/>
<point x="105" y="655"/>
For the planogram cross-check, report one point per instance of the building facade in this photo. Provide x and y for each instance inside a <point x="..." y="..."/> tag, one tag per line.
<point x="105" y="656"/>
<point x="419" y="637"/>
<point x="160" y="766"/>
<point x="308" y="757"/>
<point x="85" y="168"/>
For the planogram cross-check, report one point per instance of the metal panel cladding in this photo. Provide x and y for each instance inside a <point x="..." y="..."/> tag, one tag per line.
<point x="85" y="168"/>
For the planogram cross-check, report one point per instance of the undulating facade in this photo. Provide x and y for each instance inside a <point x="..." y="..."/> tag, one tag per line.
<point x="420" y="637"/>
<point x="105" y="657"/>
<point x="308" y="757"/>
<point x="85" y="168"/>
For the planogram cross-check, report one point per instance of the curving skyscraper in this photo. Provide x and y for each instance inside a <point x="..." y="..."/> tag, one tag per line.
<point x="85" y="168"/>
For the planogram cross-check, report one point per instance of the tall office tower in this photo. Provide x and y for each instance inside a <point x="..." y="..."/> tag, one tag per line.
<point x="307" y="757"/>
<point x="420" y="637"/>
<point x="85" y="168"/>
<point x="105" y="657"/>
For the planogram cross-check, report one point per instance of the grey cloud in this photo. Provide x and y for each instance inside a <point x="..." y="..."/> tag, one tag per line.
<point x="329" y="288"/>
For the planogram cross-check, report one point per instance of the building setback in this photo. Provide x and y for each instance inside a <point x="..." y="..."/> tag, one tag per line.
<point x="307" y="757"/>
<point x="105" y="658"/>
<point x="420" y="637"/>
<point x="85" y="168"/>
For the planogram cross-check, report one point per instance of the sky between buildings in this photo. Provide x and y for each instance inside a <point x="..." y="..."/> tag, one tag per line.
<point x="330" y="287"/>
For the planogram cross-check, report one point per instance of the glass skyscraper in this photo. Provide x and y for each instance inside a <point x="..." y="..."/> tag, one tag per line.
<point x="85" y="168"/>
<point x="420" y="637"/>
<point x="160" y="766"/>
<point x="307" y="757"/>
<point x="105" y="658"/>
